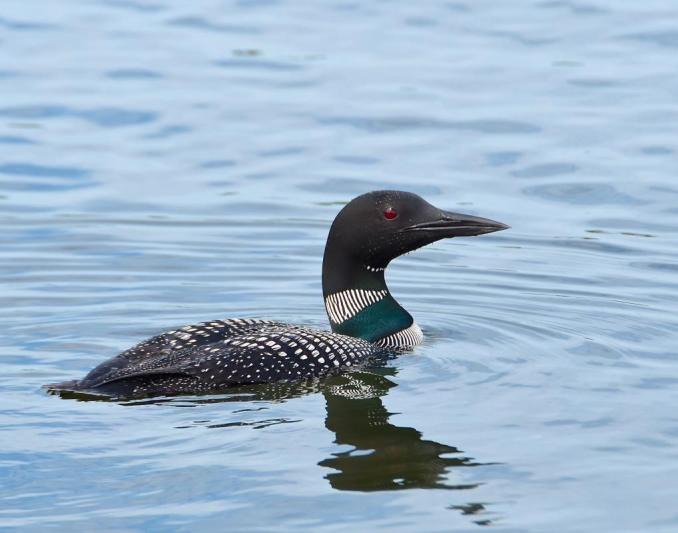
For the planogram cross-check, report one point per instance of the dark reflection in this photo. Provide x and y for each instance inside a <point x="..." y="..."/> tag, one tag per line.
<point x="270" y="392"/>
<point x="473" y="509"/>
<point x="384" y="456"/>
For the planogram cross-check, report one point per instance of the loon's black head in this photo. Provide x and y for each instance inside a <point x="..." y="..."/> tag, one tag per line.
<point x="375" y="228"/>
<point x="369" y="232"/>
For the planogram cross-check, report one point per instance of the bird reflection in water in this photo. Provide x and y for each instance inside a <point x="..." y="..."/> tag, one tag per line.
<point x="383" y="457"/>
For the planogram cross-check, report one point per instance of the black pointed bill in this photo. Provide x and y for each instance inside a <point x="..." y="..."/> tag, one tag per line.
<point x="450" y="224"/>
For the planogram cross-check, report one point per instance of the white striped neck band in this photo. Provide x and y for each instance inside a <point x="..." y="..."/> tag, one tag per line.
<point x="346" y="304"/>
<point x="405" y="338"/>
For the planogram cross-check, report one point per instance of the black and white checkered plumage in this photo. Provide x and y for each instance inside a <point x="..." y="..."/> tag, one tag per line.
<point x="214" y="355"/>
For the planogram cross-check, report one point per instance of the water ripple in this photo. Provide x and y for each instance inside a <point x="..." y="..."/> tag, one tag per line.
<point x="545" y="170"/>
<point x="203" y="24"/>
<point x="668" y="38"/>
<point x="258" y="64"/>
<point x="103" y="116"/>
<point x="50" y="178"/>
<point x="19" y="25"/>
<point x="581" y="194"/>
<point x="388" y="124"/>
<point x="15" y="139"/>
<point x="133" y="74"/>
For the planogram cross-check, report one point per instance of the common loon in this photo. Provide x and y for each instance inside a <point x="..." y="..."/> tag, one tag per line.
<point x="369" y="232"/>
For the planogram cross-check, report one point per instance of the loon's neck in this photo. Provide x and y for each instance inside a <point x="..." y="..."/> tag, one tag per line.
<point x="358" y="302"/>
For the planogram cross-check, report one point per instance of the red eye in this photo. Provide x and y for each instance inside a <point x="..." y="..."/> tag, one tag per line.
<point x="390" y="213"/>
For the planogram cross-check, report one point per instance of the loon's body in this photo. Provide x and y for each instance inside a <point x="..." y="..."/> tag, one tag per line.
<point x="367" y="322"/>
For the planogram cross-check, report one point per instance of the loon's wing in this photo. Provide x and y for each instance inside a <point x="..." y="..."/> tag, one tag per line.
<point x="274" y="352"/>
<point x="160" y="350"/>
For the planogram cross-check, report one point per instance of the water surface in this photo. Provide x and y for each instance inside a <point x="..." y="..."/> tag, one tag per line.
<point x="163" y="163"/>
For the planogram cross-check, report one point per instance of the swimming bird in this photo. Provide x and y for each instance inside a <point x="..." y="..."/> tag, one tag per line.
<point x="366" y="321"/>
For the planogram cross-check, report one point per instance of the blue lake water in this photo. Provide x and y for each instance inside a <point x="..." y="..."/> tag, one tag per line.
<point x="163" y="163"/>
